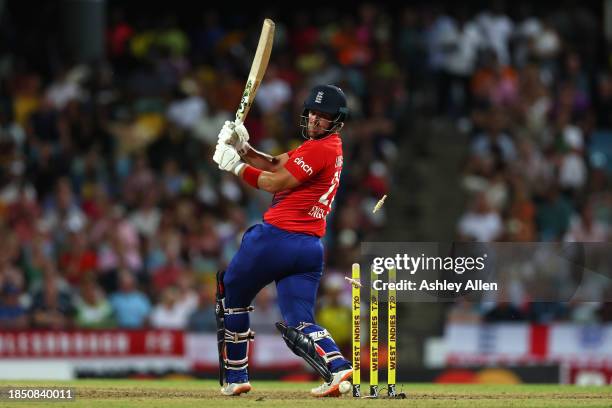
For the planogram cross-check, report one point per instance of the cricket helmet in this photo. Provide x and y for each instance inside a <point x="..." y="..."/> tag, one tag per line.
<point x="327" y="99"/>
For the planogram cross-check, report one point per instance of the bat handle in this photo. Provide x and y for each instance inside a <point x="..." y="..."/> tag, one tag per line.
<point x="238" y="122"/>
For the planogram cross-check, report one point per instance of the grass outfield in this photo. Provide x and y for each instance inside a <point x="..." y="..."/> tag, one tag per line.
<point x="191" y="393"/>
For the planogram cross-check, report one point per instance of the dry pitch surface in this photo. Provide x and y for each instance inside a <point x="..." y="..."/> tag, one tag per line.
<point x="191" y="393"/>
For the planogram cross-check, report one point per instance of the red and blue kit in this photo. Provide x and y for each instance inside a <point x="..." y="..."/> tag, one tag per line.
<point x="287" y="249"/>
<point x="317" y="164"/>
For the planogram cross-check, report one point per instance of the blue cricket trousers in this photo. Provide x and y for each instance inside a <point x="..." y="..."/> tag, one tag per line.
<point x="295" y="262"/>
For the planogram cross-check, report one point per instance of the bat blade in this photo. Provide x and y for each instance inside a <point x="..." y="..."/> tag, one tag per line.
<point x="258" y="69"/>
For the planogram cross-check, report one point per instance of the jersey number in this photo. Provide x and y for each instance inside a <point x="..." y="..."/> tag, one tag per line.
<point x="325" y="197"/>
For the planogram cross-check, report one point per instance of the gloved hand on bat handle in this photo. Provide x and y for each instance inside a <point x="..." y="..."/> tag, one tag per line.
<point x="227" y="158"/>
<point x="235" y="134"/>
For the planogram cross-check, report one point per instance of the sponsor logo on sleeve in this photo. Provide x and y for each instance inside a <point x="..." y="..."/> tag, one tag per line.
<point x="305" y="167"/>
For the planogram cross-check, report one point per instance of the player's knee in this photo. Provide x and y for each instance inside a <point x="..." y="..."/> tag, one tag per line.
<point x="236" y="292"/>
<point x="232" y="284"/>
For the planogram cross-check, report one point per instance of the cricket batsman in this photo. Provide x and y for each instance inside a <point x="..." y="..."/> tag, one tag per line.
<point x="286" y="248"/>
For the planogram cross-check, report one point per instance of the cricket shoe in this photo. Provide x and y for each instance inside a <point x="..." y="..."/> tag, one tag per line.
<point x="235" y="389"/>
<point x="331" y="389"/>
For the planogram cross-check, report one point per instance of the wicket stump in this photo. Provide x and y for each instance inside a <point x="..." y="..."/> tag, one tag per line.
<point x="392" y="337"/>
<point x="374" y="336"/>
<point x="373" y="339"/>
<point x="356" y="332"/>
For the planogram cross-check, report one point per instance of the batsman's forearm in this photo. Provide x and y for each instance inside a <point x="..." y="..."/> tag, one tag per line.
<point x="262" y="160"/>
<point x="267" y="182"/>
<point x="263" y="180"/>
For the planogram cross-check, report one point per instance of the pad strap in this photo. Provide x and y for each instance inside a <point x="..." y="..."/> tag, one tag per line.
<point x="234" y="337"/>
<point x="331" y="356"/>
<point x="235" y="310"/>
<point x="238" y="310"/>
<point x="302" y="326"/>
<point x="237" y="364"/>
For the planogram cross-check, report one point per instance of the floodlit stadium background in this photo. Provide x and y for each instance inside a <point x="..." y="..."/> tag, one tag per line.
<point x="485" y="121"/>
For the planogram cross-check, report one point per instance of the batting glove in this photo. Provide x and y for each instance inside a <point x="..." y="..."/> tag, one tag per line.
<point x="235" y="135"/>
<point x="227" y="158"/>
<point x="226" y="135"/>
<point x="242" y="138"/>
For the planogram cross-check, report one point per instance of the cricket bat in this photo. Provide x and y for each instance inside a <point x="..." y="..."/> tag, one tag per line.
<point x="258" y="69"/>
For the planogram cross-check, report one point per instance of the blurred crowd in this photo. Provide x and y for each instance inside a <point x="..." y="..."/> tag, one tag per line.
<point x="112" y="213"/>
<point x="533" y="92"/>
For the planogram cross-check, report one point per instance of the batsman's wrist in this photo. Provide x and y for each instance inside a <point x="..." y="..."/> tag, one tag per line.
<point x="238" y="167"/>
<point x="251" y="175"/>
<point x="242" y="148"/>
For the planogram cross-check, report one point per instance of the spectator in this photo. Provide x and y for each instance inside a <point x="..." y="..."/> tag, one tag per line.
<point x="79" y="261"/>
<point x="604" y="102"/>
<point x="274" y="93"/>
<point x="64" y="215"/>
<point x="170" y="313"/>
<point x="139" y="183"/>
<point x="572" y="166"/>
<point x="93" y="311"/>
<point x="494" y="143"/>
<point x="481" y="223"/>
<point x="463" y="312"/>
<point x="189" y="107"/>
<point x="521" y="218"/>
<point x="495" y="83"/>
<point x="533" y="168"/>
<point x="118" y="247"/>
<point x="52" y="307"/>
<point x="131" y="307"/>
<point x="266" y="311"/>
<point x="169" y="273"/>
<point x="584" y="228"/>
<point x="145" y="219"/>
<point x="333" y="312"/>
<point x="13" y="315"/>
<point x="503" y="312"/>
<point x="553" y="215"/>
<point x="202" y="319"/>
<point x="547" y="312"/>
<point x="497" y="30"/>
<point x="461" y="44"/>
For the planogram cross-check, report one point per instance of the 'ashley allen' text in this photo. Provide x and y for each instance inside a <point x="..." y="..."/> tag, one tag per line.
<point x="435" y="285"/>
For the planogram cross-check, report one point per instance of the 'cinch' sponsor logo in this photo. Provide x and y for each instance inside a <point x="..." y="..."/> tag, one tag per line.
<point x="300" y="162"/>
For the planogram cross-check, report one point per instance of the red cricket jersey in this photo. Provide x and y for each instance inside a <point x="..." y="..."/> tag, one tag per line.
<point x="317" y="164"/>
